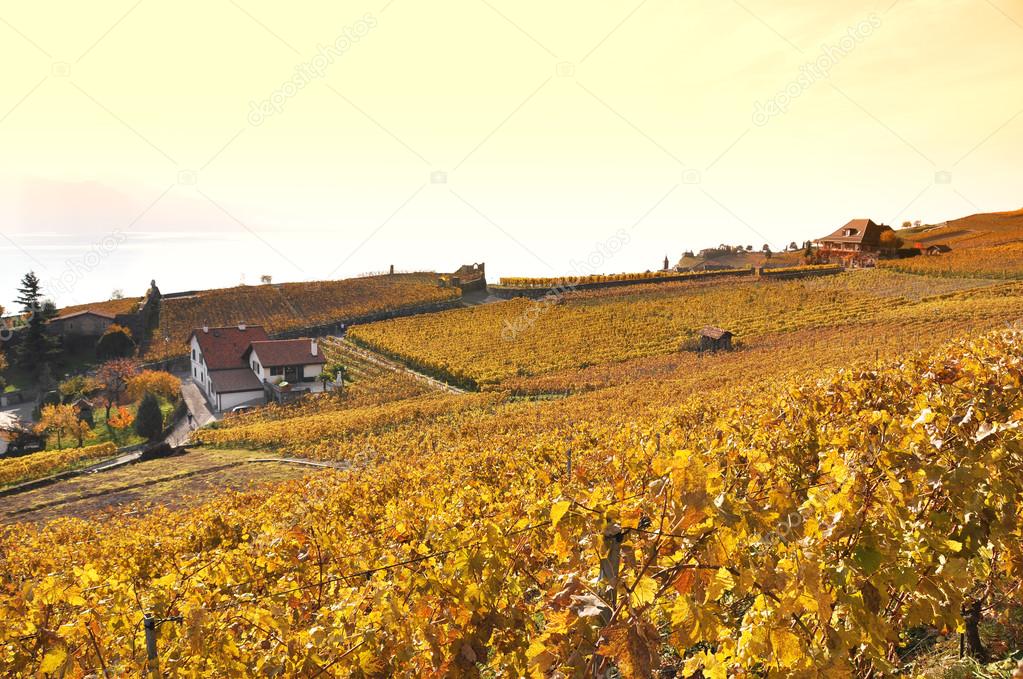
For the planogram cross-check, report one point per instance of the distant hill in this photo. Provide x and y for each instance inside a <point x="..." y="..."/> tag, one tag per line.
<point x="979" y="230"/>
<point x="988" y="245"/>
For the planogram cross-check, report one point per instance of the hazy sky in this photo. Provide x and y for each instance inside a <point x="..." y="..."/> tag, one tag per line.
<point x="200" y="141"/>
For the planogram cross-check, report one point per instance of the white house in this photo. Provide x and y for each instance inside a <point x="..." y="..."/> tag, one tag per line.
<point x="240" y="365"/>
<point x="287" y="368"/>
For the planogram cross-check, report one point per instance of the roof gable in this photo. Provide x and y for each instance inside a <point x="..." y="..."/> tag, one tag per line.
<point x="286" y="352"/>
<point x="864" y="231"/>
<point x="224" y="348"/>
<point x="85" y="312"/>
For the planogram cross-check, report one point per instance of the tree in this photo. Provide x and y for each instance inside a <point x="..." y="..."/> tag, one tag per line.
<point x="80" y="429"/>
<point x="117" y="294"/>
<point x="115" y="376"/>
<point x="149" y="419"/>
<point x="120" y="420"/>
<point x="116" y="342"/>
<point x="36" y="348"/>
<point x="155" y="382"/>
<point x="60" y="421"/>
<point x="906" y="224"/>
<point x="325" y="378"/>
<point x="335" y="372"/>
<point x="793" y="247"/>
<point x="79" y="386"/>
<point x="266" y="280"/>
<point x="890" y="241"/>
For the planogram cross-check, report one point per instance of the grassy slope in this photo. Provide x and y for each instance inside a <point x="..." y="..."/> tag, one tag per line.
<point x="181" y="481"/>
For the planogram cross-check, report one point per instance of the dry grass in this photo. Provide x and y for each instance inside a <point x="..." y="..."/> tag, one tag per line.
<point x="181" y="481"/>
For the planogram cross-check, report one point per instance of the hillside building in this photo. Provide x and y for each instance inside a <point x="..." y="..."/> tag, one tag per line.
<point x="858" y="242"/>
<point x="87" y="323"/>
<point x="241" y="365"/>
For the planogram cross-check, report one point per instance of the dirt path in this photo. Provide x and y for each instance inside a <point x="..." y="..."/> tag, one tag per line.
<point x="179" y="480"/>
<point x="390" y="364"/>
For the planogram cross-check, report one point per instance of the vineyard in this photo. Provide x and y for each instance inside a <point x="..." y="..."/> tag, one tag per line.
<point x="15" y="470"/>
<point x="290" y="306"/>
<point x="573" y="281"/>
<point x="999" y="261"/>
<point x="486" y="346"/>
<point x="126" y="305"/>
<point x="796" y="530"/>
<point x="837" y="497"/>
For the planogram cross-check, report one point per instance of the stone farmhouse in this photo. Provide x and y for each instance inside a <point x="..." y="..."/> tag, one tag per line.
<point x="241" y="365"/>
<point x="88" y="323"/>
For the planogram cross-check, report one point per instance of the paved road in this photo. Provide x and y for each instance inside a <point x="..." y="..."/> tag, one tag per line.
<point x="478" y="297"/>
<point x="15" y="415"/>
<point x="197" y="406"/>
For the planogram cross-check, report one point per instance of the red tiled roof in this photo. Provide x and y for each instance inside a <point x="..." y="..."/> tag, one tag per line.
<point x="224" y="348"/>
<point x="286" y="352"/>
<point x="235" y="380"/>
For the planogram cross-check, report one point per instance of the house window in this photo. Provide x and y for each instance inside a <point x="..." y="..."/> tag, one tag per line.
<point x="277" y="371"/>
<point x="193" y="353"/>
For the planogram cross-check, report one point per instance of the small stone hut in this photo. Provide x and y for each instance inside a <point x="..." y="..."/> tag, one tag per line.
<point x="714" y="339"/>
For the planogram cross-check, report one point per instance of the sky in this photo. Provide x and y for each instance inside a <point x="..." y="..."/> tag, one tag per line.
<point x="204" y="143"/>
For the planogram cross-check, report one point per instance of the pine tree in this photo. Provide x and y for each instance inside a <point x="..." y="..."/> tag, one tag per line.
<point x="36" y="348"/>
<point x="149" y="419"/>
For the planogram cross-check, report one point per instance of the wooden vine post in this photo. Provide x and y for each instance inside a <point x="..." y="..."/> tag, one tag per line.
<point x="610" y="562"/>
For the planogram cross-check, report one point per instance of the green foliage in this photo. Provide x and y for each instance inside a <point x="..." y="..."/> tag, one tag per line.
<point x="78" y="386"/>
<point x="149" y="418"/>
<point x="36" y="347"/>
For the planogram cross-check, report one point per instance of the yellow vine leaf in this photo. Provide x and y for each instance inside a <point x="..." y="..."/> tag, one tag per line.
<point x="558" y="511"/>
<point x="53" y="660"/>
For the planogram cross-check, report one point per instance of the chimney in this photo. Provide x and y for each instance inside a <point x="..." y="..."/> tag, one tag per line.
<point x="313" y="348"/>
<point x="241" y="326"/>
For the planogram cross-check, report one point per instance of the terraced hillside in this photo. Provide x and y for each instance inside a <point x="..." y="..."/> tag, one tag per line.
<point x="983" y="245"/>
<point x="485" y="347"/>
<point x="765" y="522"/>
<point x="289" y="306"/>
